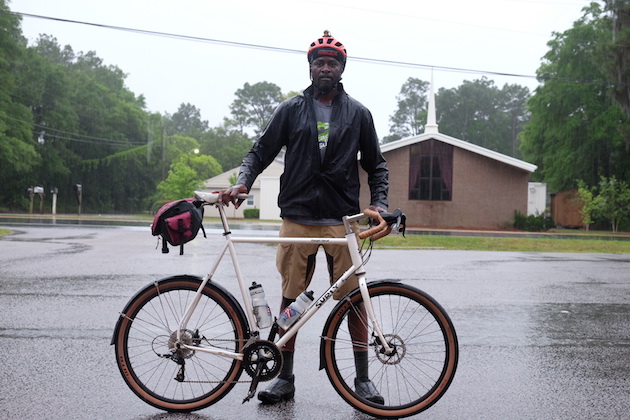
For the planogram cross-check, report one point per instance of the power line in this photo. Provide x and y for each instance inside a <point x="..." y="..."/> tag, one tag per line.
<point x="300" y="52"/>
<point x="44" y="130"/>
<point x="96" y="140"/>
<point x="85" y="138"/>
<point x="269" y="48"/>
<point x="163" y="34"/>
<point x="76" y="140"/>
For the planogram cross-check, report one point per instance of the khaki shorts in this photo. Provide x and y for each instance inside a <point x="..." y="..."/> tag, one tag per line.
<point x="296" y="263"/>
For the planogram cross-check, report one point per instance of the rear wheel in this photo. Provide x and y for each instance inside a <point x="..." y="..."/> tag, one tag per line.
<point x="153" y="363"/>
<point x="418" y="371"/>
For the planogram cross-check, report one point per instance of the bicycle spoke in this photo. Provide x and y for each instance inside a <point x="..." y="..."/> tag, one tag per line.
<point x="172" y="375"/>
<point x="410" y="378"/>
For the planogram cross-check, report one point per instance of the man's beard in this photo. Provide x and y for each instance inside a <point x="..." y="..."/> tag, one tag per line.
<point x="327" y="87"/>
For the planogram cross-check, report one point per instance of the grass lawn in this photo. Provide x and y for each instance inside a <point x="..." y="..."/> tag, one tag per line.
<point x="576" y="243"/>
<point x="571" y="241"/>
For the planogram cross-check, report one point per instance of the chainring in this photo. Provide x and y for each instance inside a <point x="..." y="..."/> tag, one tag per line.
<point x="262" y="359"/>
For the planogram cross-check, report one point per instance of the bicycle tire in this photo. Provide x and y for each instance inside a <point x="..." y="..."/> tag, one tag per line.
<point x="145" y="355"/>
<point x="418" y="374"/>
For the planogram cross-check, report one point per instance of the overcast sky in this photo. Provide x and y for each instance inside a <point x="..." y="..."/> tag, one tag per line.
<point x="489" y="36"/>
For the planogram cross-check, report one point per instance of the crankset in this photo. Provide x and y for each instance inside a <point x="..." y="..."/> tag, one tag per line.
<point x="262" y="361"/>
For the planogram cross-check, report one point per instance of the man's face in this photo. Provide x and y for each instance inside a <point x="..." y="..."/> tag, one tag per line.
<point x="326" y="73"/>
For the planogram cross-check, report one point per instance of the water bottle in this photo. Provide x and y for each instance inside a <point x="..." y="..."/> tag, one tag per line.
<point x="292" y="312"/>
<point x="262" y="311"/>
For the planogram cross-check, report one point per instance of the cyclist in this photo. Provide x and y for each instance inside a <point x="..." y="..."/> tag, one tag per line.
<point x="323" y="130"/>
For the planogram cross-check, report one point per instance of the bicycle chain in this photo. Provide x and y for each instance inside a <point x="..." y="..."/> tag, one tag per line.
<point x="216" y="382"/>
<point x="219" y="382"/>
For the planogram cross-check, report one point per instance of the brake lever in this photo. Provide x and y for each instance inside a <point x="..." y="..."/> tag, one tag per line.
<point x="401" y="224"/>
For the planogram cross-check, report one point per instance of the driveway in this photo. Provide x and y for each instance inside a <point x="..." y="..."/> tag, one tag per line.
<point x="542" y="336"/>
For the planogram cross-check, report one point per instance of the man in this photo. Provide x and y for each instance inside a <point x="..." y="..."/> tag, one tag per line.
<point x="323" y="131"/>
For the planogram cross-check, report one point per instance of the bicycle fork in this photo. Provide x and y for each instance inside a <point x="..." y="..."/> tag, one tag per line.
<point x="357" y="261"/>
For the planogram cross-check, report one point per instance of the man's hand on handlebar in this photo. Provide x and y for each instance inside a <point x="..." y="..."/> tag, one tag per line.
<point x="231" y="195"/>
<point x="377" y="209"/>
<point x="382" y="223"/>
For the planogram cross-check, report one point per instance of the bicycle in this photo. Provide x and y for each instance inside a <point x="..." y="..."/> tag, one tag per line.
<point x="182" y="342"/>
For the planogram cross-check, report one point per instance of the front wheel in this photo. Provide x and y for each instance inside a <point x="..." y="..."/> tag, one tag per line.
<point x="424" y="356"/>
<point x="153" y="362"/>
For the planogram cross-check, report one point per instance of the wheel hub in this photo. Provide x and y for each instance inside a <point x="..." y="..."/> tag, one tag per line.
<point x="187" y="338"/>
<point x="396" y="343"/>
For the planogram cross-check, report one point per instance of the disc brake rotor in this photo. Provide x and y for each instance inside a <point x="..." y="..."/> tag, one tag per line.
<point x="398" y="346"/>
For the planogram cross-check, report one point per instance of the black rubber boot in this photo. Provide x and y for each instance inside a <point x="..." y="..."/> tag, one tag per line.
<point x="367" y="390"/>
<point x="280" y="389"/>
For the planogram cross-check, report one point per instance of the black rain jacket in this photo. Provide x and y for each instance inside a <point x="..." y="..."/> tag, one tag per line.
<point x="310" y="187"/>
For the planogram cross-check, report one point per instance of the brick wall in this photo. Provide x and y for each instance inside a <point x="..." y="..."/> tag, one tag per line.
<point x="486" y="192"/>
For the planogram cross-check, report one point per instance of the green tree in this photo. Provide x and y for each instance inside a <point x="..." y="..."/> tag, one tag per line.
<point x="411" y="115"/>
<point x="206" y="166"/>
<point x="181" y="182"/>
<point x="82" y="112"/>
<point x="480" y="113"/>
<point x="106" y="109"/>
<point x="188" y="170"/>
<point x="228" y="146"/>
<point x="48" y="48"/>
<point x="254" y="105"/>
<point x="616" y="60"/>
<point x="233" y="178"/>
<point x="465" y="112"/>
<point x="574" y="128"/>
<point x="512" y="108"/>
<point x="178" y="146"/>
<point x="590" y="204"/>
<point x="613" y="201"/>
<point x="18" y="153"/>
<point x="290" y="94"/>
<point x="122" y="182"/>
<point x="477" y="112"/>
<point x="45" y="86"/>
<point x="186" y="122"/>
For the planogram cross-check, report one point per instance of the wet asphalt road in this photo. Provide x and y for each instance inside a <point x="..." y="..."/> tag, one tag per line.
<point x="542" y="336"/>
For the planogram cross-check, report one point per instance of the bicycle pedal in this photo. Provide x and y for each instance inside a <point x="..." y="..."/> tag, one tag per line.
<point x="249" y="396"/>
<point x="252" y="390"/>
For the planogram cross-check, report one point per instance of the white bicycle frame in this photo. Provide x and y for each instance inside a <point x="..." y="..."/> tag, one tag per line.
<point x="350" y="241"/>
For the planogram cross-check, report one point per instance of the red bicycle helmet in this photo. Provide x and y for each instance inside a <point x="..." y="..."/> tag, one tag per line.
<point x="327" y="46"/>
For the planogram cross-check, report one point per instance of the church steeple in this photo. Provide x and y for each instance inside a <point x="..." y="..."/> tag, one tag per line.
<point x="431" y="127"/>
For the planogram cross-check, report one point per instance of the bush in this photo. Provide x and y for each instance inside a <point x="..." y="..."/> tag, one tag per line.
<point x="251" y="213"/>
<point x="532" y="223"/>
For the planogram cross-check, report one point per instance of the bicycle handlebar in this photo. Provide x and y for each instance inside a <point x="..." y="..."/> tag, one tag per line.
<point x="379" y="231"/>
<point x="213" y="197"/>
<point x="383" y="228"/>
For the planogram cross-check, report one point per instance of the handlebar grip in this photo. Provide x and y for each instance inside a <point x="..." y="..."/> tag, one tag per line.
<point x="382" y="233"/>
<point x="379" y="231"/>
<point x="213" y="197"/>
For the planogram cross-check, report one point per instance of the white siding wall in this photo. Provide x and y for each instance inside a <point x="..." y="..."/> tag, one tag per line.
<point x="268" y="199"/>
